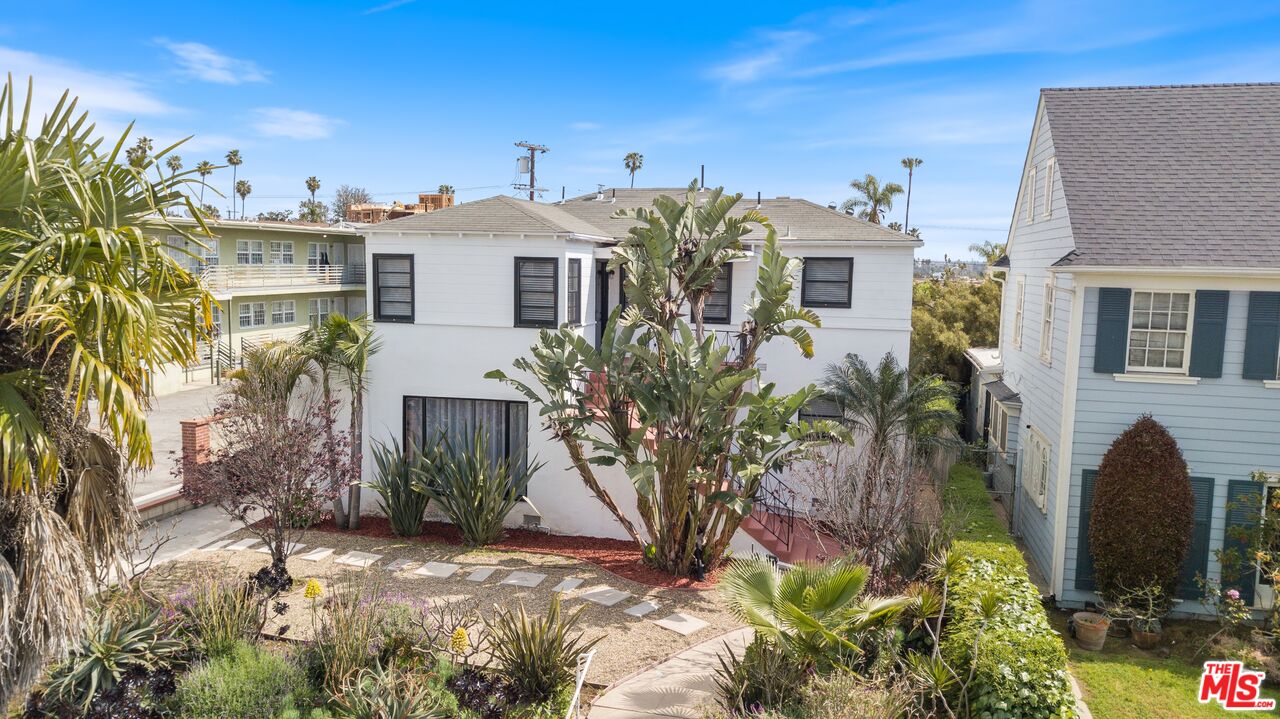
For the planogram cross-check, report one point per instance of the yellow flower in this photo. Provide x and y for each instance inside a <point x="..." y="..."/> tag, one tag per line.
<point x="313" y="589"/>
<point x="458" y="642"/>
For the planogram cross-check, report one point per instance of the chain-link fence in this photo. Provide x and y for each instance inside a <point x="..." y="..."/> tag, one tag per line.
<point x="999" y="470"/>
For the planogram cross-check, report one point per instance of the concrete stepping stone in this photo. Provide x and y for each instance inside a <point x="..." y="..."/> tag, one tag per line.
<point x="358" y="559"/>
<point x="481" y="574"/>
<point x="400" y="564"/>
<point x="289" y="551"/>
<point x="568" y="585"/>
<point x="317" y="554"/>
<point x="216" y="545"/>
<point x="524" y="579"/>
<point x="439" y="570"/>
<point x="242" y="544"/>
<point x="606" y="596"/>
<point x="681" y="624"/>
<point x="641" y="609"/>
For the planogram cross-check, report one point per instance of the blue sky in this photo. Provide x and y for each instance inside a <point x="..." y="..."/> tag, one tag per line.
<point x="400" y="96"/>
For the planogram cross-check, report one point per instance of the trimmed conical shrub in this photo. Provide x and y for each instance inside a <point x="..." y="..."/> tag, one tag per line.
<point x="1142" y="513"/>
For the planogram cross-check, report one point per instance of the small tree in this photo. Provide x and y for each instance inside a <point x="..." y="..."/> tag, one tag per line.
<point x="1142" y="514"/>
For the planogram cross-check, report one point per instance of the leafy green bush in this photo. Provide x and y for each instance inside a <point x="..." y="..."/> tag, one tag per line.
<point x="398" y="474"/>
<point x="246" y="683"/>
<point x="1142" y="515"/>
<point x="537" y="655"/>
<point x="386" y="694"/>
<point x="1018" y="662"/>
<point x="475" y="491"/>
<point x="217" y="613"/>
<point x="848" y="696"/>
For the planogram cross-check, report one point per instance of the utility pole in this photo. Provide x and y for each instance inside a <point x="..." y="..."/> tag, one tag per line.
<point x="533" y="158"/>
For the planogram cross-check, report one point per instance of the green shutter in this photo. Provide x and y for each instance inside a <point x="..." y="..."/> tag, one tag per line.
<point x="1197" y="561"/>
<point x="1262" y="337"/>
<point x="1243" y="510"/>
<point x="1084" y="558"/>
<point x="1112" y="339"/>
<point x="1209" y="333"/>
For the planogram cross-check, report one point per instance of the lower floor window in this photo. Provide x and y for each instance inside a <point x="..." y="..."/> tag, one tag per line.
<point x="1036" y="467"/>
<point x="317" y="310"/>
<point x="253" y="314"/>
<point x="282" y="312"/>
<point x="505" y="424"/>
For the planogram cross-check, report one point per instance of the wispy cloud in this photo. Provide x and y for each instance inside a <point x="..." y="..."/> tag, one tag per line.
<point x="392" y="5"/>
<point x="774" y="48"/>
<point x="103" y="93"/>
<point x="293" y="124"/>
<point x="199" y="61"/>
<point x="584" y="126"/>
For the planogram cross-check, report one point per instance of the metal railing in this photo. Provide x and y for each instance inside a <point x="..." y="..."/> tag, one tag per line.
<point x="734" y="340"/>
<point x="226" y="277"/>
<point x="773" y="506"/>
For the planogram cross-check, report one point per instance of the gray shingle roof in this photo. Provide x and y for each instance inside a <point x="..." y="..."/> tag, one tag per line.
<point x="791" y="217"/>
<point x="497" y="214"/>
<point x="1174" y="176"/>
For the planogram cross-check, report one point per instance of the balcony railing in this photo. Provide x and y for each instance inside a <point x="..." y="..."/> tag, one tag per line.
<point x="227" y="277"/>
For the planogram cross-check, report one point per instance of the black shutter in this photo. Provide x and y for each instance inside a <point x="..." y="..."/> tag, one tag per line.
<point x="827" y="282"/>
<point x="716" y="308"/>
<point x="1243" y="510"/>
<point x="1197" y="560"/>
<point x="393" y="288"/>
<point x="1262" y="338"/>
<point x="537" y="293"/>
<point x="1209" y="333"/>
<point x="1084" y="558"/>
<point x="574" y="296"/>
<point x="1111" y="347"/>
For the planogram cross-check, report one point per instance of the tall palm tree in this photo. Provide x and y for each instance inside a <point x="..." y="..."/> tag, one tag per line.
<point x="270" y="373"/>
<point x="243" y="189"/>
<point x="989" y="251"/>
<point x="204" y="168"/>
<point x="633" y="162"/>
<point x="233" y="159"/>
<point x="137" y="155"/>
<point x="910" y="163"/>
<point x="174" y="163"/>
<point x="90" y="305"/>
<point x="445" y="189"/>
<point x="356" y="344"/>
<point x="313" y="185"/>
<point x="323" y="346"/>
<point x="874" y="200"/>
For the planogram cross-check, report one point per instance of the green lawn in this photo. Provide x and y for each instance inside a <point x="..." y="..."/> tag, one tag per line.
<point x="1124" y="682"/>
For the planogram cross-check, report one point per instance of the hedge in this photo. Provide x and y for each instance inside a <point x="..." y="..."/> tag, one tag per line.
<point x="1020" y="664"/>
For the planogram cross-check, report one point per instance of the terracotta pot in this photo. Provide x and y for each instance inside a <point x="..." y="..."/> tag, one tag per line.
<point x="1091" y="630"/>
<point x="1146" y="640"/>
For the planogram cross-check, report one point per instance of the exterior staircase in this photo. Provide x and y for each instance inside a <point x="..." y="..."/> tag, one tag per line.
<point x="777" y="525"/>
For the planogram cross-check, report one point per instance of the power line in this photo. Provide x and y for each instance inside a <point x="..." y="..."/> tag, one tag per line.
<point x="377" y="194"/>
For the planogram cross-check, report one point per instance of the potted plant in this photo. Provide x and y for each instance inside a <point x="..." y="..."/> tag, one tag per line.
<point x="1143" y="609"/>
<point x="1090" y="629"/>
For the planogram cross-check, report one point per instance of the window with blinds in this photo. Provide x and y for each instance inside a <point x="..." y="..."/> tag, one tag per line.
<point x="716" y="308"/>
<point x="827" y="282"/>
<point x="536" y="291"/>
<point x="821" y="408"/>
<point x="505" y="424"/>
<point x="393" y="288"/>
<point x="574" y="297"/>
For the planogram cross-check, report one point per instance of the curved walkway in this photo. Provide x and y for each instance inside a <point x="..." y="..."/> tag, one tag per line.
<point x="676" y="687"/>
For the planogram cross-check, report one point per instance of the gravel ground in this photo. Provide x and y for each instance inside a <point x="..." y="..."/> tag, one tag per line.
<point x="629" y="643"/>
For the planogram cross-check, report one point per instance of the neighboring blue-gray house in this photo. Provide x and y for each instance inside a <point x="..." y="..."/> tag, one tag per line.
<point x="1142" y="276"/>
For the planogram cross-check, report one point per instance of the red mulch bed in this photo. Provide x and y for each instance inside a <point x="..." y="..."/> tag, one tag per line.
<point x="615" y="555"/>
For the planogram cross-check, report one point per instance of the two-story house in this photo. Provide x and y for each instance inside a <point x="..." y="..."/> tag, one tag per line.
<point x="465" y="289"/>
<point x="1142" y="275"/>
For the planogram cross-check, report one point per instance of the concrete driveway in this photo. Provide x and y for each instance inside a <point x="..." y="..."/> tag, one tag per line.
<point x="166" y="434"/>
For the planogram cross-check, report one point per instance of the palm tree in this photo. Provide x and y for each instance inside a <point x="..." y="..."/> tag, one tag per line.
<point x="633" y="162"/>
<point x="269" y="375"/>
<point x="910" y="163"/>
<point x="137" y="155"/>
<point x="174" y="163"/>
<point x="323" y="346"/>
<point x="445" y="189"/>
<point x="243" y="189"/>
<point x="92" y="305"/>
<point x="989" y="251"/>
<point x="875" y="200"/>
<point x="356" y="344"/>
<point x="313" y="185"/>
<point x="233" y="159"/>
<point x="204" y="168"/>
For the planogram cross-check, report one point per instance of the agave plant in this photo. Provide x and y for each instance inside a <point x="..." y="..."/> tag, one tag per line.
<point x="379" y="693"/>
<point x="396" y="480"/>
<point x="475" y="490"/>
<point x="538" y="654"/>
<point x="814" y="612"/>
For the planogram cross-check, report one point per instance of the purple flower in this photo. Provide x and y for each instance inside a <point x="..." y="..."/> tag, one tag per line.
<point x="1233" y="595"/>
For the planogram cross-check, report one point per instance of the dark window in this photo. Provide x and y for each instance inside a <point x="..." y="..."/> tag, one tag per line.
<point x="574" y="297"/>
<point x="716" y="308"/>
<point x="393" y="288"/>
<point x="827" y="282"/>
<point x="536" y="291"/>
<point x="821" y="408"/>
<point x="506" y="424"/>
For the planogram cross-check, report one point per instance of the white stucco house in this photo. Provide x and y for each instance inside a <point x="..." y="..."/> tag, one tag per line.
<point x="464" y="290"/>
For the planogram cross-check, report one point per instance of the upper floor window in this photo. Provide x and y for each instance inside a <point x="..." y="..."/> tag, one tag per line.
<point x="827" y="282"/>
<point x="1019" y="299"/>
<point x="393" y="288"/>
<point x="281" y="253"/>
<point x="574" y="297"/>
<point x="1159" y="331"/>
<point x="249" y="252"/>
<point x="1046" y="322"/>
<point x="1029" y="202"/>
<point x="819" y="409"/>
<point x="716" y="308"/>
<point x="536" y="291"/>
<point x="1048" y="187"/>
<point x="209" y="251"/>
<point x="317" y="254"/>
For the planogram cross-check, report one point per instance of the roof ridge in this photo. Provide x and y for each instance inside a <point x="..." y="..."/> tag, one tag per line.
<point x="855" y="218"/>
<point x="1190" y="86"/>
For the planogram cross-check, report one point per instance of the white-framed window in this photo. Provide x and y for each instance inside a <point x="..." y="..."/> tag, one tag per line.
<point x="1048" y="186"/>
<point x="253" y="314"/>
<point x="249" y="252"/>
<point x="1046" y="322"/>
<point x="209" y="253"/>
<point x="282" y="312"/>
<point x="317" y="254"/>
<point x="1029" y="203"/>
<point x="217" y="317"/>
<point x="1036" y="466"/>
<point x="1020" y="296"/>
<point x="998" y="429"/>
<point x="1264" y="594"/>
<point x="1160" y="331"/>
<point x="281" y="252"/>
<point x="317" y="310"/>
